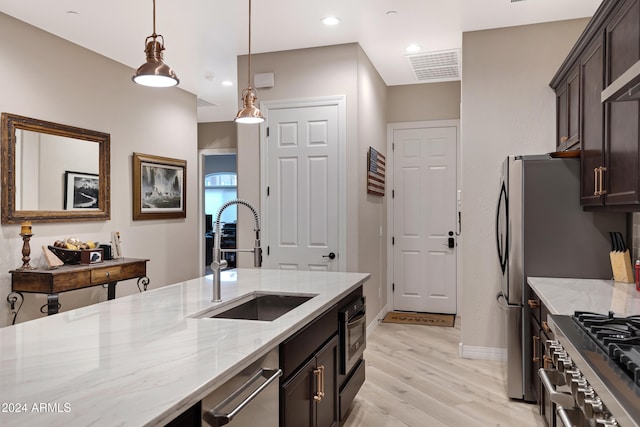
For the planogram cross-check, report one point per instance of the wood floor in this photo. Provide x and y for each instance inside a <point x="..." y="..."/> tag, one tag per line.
<point x="416" y="378"/>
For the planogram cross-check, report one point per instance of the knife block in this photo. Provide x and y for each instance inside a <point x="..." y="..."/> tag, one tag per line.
<point x="621" y="266"/>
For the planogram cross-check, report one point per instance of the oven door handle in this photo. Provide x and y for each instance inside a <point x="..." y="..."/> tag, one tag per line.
<point x="565" y="400"/>
<point x="357" y="319"/>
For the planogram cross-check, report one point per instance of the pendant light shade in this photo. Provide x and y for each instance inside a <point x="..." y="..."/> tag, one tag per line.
<point x="155" y="72"/>
<point x="249" y="112"/>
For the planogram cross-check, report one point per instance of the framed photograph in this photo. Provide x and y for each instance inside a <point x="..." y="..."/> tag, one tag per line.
<point x="159" y="187"/>
<point x="81" y="191"/>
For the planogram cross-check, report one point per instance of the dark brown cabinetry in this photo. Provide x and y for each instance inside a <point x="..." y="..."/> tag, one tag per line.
<point x="568" y="111"/>
<point x="310" y="396"/>
<point x="540" y="334"/>
<point x="312" y="391"/>
<point x="608" y="133"/>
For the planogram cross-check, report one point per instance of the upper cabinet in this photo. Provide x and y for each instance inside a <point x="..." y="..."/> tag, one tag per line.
<point x="607" y="133"/>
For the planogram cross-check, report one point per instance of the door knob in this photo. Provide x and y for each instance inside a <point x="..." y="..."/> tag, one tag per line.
<point x="330" y="256"/>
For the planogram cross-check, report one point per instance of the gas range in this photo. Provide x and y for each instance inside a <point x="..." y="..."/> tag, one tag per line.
<point x="598" y="356"/>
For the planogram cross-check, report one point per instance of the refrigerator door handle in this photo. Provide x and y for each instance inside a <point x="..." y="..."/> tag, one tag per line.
<point x="500" y="243"/>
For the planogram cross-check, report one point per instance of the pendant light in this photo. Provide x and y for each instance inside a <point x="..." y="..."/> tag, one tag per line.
<point x="154" y="72"/>
<point x="249" y="113"/>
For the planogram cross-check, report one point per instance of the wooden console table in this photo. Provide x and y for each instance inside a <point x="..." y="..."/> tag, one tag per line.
<point x="72" y="277"/>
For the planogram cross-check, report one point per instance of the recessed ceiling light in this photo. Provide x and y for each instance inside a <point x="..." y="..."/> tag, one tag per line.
<point x="392" y="12"/>
<point x="413" y="48"/>
<point x="72" y="12"/>
<point x="331" y="20"/>
<point x="227" y="83"/>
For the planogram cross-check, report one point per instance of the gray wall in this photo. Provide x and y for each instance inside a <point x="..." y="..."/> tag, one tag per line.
<point x="419" y="102"/>
<point x="507" y="108"/>
<point x="327" y="71"/>
<point x="83" y="89"/>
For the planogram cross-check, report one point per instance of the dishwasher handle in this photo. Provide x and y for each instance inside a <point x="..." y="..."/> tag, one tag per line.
<point x="217" y="419"/>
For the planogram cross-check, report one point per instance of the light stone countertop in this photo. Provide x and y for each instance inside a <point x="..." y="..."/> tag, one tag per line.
<point x="564" y="296"/>
<point x="140" y="360"/>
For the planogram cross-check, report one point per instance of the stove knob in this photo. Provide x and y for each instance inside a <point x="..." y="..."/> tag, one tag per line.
<point x="558" y="355"/>
<point x="592" y="407"/>
<point x="585" y="393"/>
<point x="609" y="422"/>
<point x="564" y="363"/>
<point x="571" y="374"/>
<point x="577" y="383"/>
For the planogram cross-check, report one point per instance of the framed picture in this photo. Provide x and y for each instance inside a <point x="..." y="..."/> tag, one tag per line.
<point x="81" y="191"/>
<point x="159" y="187"/>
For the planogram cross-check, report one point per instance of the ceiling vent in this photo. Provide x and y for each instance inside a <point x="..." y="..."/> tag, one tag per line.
<point x="203" y="103"/>
<point x="438" y="66"/>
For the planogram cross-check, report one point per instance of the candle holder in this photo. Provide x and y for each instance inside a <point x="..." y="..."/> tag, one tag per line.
<point x="26" y="251"/>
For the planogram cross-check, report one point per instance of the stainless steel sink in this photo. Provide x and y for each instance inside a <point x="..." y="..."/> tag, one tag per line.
<point x="258" y="306"/>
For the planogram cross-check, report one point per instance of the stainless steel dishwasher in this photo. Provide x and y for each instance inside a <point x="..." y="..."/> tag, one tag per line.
<point x="249" y="399"/>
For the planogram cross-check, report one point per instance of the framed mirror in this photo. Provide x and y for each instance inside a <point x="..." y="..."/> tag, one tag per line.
<point x="53" y="172"/>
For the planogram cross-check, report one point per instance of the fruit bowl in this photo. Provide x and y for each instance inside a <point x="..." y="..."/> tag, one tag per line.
<point x="68" y="256"/>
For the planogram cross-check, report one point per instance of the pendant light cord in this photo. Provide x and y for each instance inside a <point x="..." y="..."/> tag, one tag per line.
<point x="249" y="65"/>
<point x="154" y="19"/>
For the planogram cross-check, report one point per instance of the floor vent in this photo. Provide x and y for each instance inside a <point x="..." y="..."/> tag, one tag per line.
<point x="439" y="66"/>
<point x="203" y="103"/>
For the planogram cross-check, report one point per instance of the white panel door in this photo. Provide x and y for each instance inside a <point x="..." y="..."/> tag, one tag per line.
<point x="424" y="219"/>
<point x="302" y="201"/>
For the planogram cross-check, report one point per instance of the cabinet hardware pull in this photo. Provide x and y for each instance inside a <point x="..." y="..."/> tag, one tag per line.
<point x="319" y="395"/>
<point x="595" y="182"/>
<point x="321" y="381"/>
<point x="533" y="303"/>
<point x="602" y="189"/>
<point x="536" y="358"/>
<point x="217" y="419"/>
<point x="545" y="326"/>
<point x="547" y="362"/>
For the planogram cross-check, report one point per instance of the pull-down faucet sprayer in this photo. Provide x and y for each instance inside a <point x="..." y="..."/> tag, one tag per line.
<point x="219" y="263"/>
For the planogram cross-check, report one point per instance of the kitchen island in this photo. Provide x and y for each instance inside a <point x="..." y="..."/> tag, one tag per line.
<point x="564" y="296"/>
<point x="145" y="358"/>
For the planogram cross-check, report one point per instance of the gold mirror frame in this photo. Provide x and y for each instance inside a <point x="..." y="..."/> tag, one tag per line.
<point x="10" y="215"/>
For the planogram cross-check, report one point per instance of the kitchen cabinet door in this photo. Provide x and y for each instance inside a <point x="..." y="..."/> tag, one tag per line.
<point x="310" y="396"/>
<point x="568" y="111"/>
<point x="592" y="137"/>
<point x="622" y="175"/>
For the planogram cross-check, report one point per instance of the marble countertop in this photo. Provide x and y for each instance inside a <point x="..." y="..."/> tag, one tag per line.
<point x="564" y="296"/>
<point x="141" y="360"/>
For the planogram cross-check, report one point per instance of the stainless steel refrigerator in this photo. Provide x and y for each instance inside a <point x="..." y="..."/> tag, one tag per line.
<point x="542" y="231"/>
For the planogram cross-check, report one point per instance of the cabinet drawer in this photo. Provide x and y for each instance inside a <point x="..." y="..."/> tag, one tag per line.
<point x="106" y="274"/>
<point x="296" y="349"/>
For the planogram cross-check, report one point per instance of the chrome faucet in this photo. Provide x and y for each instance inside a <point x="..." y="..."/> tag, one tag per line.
<point x="218" y="263"/>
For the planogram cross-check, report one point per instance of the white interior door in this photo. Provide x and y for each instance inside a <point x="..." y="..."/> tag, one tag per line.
<point x="424" y="219"/>
<point x="303" y="199"/>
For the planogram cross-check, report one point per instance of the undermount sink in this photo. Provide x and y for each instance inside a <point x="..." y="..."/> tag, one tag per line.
<point x="258" y="306"/>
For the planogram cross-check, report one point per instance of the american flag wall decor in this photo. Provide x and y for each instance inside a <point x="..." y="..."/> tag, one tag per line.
<point x="375" y="172"/>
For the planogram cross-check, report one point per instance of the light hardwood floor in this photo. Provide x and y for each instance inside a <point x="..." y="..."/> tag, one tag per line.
<point x="415" y="378"/>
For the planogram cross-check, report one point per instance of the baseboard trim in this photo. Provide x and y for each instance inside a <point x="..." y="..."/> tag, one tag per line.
<point x="378" y="318"/>
<point x="483" y="353"/>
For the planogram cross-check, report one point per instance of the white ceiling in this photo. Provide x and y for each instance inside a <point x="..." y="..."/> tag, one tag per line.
<point x="203" y="37"/>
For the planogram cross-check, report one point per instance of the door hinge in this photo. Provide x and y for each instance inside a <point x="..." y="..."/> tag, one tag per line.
<point x="393" y="240"/>
<point x="267" y="191"/>
<point x="393" y="287"/>
<point x="268" y="250"/>
<point x="393" y="194"/>
<point x="393" y="146"/>
<point x="267" y="131"/>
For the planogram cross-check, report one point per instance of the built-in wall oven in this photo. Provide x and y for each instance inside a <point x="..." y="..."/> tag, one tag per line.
<point x="353" y="334"/>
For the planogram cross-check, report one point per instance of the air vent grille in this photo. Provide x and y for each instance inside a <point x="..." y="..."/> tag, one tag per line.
<point x="436" y="66"/>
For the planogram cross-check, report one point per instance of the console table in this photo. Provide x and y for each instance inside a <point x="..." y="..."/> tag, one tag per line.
<point x="72" y="277"/>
